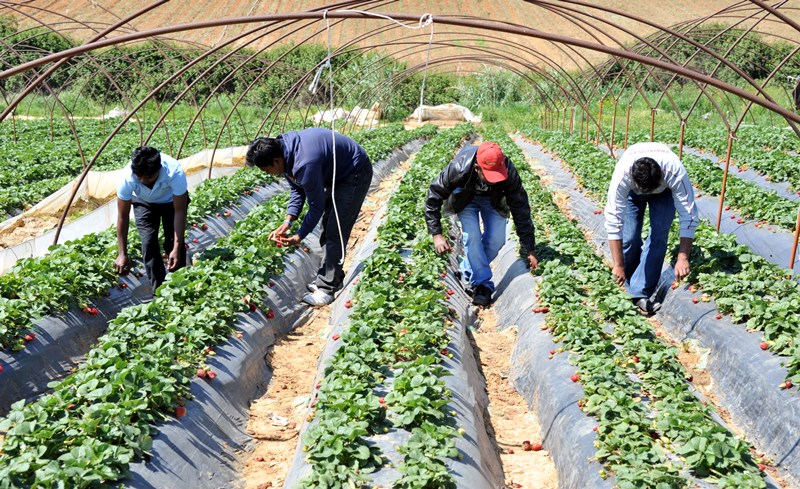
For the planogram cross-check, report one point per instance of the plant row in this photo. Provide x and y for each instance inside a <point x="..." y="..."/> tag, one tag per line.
<point x="100" y="418"/>
<point x="652" y="431"/>
<point x="385" y="374"/>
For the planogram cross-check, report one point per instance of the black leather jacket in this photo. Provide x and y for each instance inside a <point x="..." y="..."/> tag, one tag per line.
<point x="507" y="196"/>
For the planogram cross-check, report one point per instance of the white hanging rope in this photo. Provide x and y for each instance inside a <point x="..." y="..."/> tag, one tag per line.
<point x="424" y="21"/>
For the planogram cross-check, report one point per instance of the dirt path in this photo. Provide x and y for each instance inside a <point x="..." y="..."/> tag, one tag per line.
<point x="510" y="422"/>
<point x="276" y="418"/>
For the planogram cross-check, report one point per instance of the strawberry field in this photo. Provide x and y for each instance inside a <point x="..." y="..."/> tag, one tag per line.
<point x="224" y="377"/>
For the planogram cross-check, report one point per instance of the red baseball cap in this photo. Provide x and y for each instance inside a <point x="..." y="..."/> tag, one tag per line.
<point x="492" y="162"/>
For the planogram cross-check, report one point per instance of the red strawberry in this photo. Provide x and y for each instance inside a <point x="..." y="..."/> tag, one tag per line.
<point x="510" y="451"/>
<point x="1" y="369"/>
<point x="536" y="309"/>
<point x="526" y="445"/>
<point x="194" y="224"/>
<point x="403" y="331"/>
<point x="788" y="383"/>
<point x="695" y="300"/>
<point x="253" y="307"/>
<point x="674" y="285"/>
<point x="740" y="221"/>
<point x="348" y="304"/>
<point x="443" y="274"/>
<point x="30" y="336"/>
<point x="204" y="227"/>
<point x="451" y="291"/>
<point x="444" y="351"/>
<point x="70" y="405"/>
<point x="87" y="309"/>
<point x="180" y="411"/>
<point x="718" y="316"/>
<point x="277" y="245"/>
<point x="545" y="309"/>
<point x="335" y="337"/>
<point x="764" y="345"/>
<point x="186" y="245"/>
<point x="762" y="467"/>
<point x="733" y="217"/>
<point x="401" y="278"/>
<point x="727" y="207"/>
<point x="259" y="459"/>
<point x="270" y="314"/>
<point x="536" y="447"/>
<point x="635" y="359"/>
<point x="594" y="429"/>
<point x="272" y="284"/>
<point x="574" y="377"/>
<point x="195" y="240"/>
<point x="552" y="352"/>
<point x="227" y="214"/>
<point x="201" y="373"/>
<point x="211" y="375"/>
<point x="382" y="400"/>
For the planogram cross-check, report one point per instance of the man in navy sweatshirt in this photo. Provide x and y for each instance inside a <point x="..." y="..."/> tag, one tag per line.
<point x="325" y="168"/>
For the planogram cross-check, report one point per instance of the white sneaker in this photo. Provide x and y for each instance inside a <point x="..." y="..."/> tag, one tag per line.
<point x="312" y="287"/>
<point x="318" y="298"/>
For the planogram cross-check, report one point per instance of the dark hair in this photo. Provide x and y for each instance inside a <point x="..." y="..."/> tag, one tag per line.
<point x="145" y="161"/>
<point x="646" y="174"/>
<point x="263" y="151"/>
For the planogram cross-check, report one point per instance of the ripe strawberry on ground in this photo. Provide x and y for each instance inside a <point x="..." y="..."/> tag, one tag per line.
<point x="30" y="336"/>
<point x="211" y="374"/>
<point x="253" y="307"/>
<point x="201" y="373"/>
<point x="270" y="314"/>
<point x="335" y="337"/>
<point x="574" y="377"/>
<point x="526" y="445"/>
<point x="718" y="316"/>
<point x="536" y="447"/>
<point x="180" y="411"/>
<point x="764" y="345"/>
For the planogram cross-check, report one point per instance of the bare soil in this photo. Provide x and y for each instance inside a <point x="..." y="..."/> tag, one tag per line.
<point x="510" y="422"/>
<point x="276" y="418"/>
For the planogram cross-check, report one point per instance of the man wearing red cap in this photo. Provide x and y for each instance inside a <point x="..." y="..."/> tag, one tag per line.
<point x="480" y="185"/>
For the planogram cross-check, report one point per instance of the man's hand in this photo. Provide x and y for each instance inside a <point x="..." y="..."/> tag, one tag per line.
<point x="122" y="263"/>
<point x="681" y="268"/>
<point x="279" y="234"/>
<point x="440" y="244"/>
<point x="533" y="260"/>
<point x="290" y="241"/>
<point x="618" y="272"/>
<point x="173" y="259"/>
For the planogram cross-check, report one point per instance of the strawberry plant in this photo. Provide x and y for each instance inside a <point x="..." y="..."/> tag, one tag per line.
<point x="141" y="368"/>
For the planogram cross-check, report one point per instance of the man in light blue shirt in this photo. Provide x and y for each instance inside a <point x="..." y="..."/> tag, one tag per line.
<point x="155" y="185"/>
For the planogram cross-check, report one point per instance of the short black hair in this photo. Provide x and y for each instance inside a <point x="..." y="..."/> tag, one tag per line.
<point x="145" y="161"/>
<point x="263" y="151"/>
<point x="646" y="174"/>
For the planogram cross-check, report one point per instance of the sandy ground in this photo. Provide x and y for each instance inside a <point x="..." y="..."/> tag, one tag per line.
<point x="510" y="422"/>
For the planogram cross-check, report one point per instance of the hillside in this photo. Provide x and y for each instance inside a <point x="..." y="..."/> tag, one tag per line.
<point x="77" y="17"/>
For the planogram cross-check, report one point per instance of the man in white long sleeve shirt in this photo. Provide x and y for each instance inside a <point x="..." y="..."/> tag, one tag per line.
<point x="648" y="174"/>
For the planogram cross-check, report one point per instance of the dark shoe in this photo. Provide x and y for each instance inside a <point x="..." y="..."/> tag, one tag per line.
<point x="646" y="306"/>
<point x="469" y="289"/>
<point x="482" y="296"/>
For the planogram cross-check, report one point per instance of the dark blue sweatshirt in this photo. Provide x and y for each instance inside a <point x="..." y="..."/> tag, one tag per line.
<point x="309" y="168"/>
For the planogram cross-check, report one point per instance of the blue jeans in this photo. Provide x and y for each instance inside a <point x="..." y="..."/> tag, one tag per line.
<point x="643" y="264"/>
<point x="481" y="248"/>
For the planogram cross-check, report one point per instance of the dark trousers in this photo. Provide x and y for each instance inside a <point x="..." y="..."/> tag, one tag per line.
<point x="349" y="197"/>
<point x="149" y="218"/>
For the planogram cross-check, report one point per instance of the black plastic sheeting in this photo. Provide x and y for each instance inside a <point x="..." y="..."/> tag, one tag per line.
<point x="201" y="450"/>
<point x="480" y="466"/>
<point x="566" y="431"/>
<point x="62" y="340"/>
<point x="745" y="378"/>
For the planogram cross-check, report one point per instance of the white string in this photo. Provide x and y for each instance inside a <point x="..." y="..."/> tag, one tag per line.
<point x="424" y="21"/>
